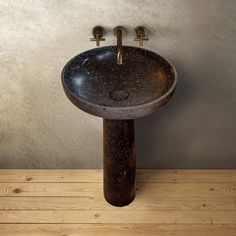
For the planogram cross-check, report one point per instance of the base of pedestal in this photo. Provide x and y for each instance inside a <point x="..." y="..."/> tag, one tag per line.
<point x="119" y="161"/>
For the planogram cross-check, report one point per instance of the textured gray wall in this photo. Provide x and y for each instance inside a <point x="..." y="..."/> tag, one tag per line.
<point x="40" y="128"/>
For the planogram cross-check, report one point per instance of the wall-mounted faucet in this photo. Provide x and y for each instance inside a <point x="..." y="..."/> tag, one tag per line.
<point x="141" y="35"/>
<point x="119" y="32"/>
<point x="98" y="32"/>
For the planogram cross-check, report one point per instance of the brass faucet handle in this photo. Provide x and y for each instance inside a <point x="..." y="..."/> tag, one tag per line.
<point x="140" y="40"/>
<point x="141" y="35"/>
<point x="98" y="32"/>
<point x="97" y="39"/>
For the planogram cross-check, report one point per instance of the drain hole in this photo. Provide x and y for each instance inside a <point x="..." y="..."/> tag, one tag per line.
<point x="119" y="95"/>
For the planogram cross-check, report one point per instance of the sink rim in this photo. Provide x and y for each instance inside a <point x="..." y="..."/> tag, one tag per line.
<point x="118" y="112"/>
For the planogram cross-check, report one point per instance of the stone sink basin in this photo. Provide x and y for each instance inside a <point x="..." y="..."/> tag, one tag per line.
<point x="95" y="83"/>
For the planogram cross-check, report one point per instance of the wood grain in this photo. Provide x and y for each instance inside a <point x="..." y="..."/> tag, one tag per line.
<point x="116" y="217"/>
<point x="71" y="203"/>
<point x="145" y="202"/>
<point x="92" y="189"/>
<point x="116" y="230"/>
<point x="95" y="176"/>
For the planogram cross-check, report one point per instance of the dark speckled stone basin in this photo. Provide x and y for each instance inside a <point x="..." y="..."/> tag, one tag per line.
<point x="95" y="83"/>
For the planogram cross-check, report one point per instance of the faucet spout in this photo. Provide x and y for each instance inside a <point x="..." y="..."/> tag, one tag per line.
<point x="119" y="31"/>
<point x="119" y="46"/>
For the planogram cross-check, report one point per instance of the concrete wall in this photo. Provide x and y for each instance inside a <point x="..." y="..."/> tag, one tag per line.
<point x="40" y="128"/>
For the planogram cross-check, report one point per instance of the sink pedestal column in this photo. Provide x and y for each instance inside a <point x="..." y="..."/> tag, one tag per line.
<point x="119" y="161"/>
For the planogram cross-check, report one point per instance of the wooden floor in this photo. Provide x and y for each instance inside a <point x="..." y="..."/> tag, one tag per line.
<point x="70" y="203"/>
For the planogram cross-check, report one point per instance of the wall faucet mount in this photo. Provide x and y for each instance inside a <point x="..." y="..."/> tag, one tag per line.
<point x="98" y="32"/>
<point x="141" y="35"/>
<point x="119" y="31"/>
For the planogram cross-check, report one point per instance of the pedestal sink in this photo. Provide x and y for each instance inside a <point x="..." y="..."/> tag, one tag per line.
<point x="95" y="83"/>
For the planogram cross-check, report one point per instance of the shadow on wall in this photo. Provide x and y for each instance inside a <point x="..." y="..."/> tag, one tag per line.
<point x="196" y="129"/>
<point x="154" y="132"/>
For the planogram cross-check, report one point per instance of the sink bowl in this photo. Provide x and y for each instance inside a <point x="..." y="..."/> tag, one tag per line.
<point x="95" y="83"/>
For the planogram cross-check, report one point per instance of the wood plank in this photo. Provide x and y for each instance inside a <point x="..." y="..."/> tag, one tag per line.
<point x="93" y="189"/>
<point x="144" y="202"/>
<point x="186" y="175"/>
<point x="168" y="203"/>
<point x="119" y="217"/>
<point x="90" y="175"/>
<point x="51" y="175"/>
<point x="115" y="230"/>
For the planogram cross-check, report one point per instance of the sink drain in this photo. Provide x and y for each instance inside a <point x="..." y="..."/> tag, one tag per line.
<point x="119" y="95"/>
